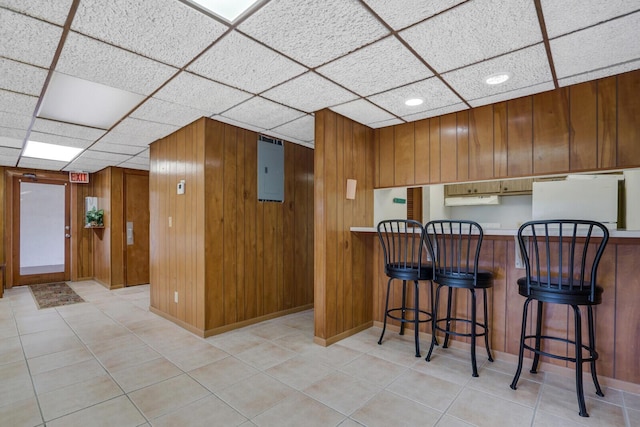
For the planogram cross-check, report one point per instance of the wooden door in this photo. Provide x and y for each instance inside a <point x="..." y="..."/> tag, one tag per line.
<point x="136" y="220"/>
<point x="41" y="231"/>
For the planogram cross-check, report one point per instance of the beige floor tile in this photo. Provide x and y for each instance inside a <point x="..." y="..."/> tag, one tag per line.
<point x="425" y="389"/>
<point x="255" y="395"/>
<point x="632" y="400"/>
<point x="10" y="350"/>
<point x="126" y="357"/>
<point x="167" y="396"/>
<point x="342" y="392"/>
<point x="78" y="396"/>
<point x="634" y="417"/>
<point x="8" y="329"/>
<point x="374" y="370"/>
<point x="482" y="409"/>
<point x="16" y="383"/>
<point x="67" y="375"/>
<point x="113" y="344"/>
<point x="100" y="331"/>
<point x="236" y="342"/>
<point x="38" y="322"/>
<point x="569" y="383"/>
<point x="510" y="369"/>
<point x="498" y="384"/>
<point x="52" y="361"/>
<point x="564" y="403"/>
<point x="265" y="355"/>
<point x="449" y="421"/>
<point x="544" y="419"/>
<point x="219" y="375"/>
<point x="299" y="410"/>
<point x="47" y="342"/>
<point x="193" y="357"/>
<point x="272" y="330"/>
<point x="364" y="341"/>
<point x="298" y="342"/>
<point x="207" y="412"/>
<point x="335" y="355"/>
<point x="348" y="422"/>
<point x="389" y="409"/>
<point x="446" y="368"/>
<point x="298" y="372"/>
<point x="145" y="374"/>
<point x="20" y="413"/>
<point x="115" y="412"/>
<point x="405" y="356"/>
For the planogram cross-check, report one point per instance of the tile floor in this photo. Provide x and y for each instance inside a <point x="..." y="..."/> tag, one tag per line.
<point x="111" y="362"/>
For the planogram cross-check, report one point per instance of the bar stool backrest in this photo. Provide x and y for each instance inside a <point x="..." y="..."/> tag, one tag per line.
<point x="562" y="256"/>
<point x="402" y="243"/>
<point x="455" y="245"/>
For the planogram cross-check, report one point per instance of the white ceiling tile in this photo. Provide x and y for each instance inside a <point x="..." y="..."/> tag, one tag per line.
<point x="434" y="93"/>
<point x="28" y="162"/>
<point x="10" y="152"/>
<point x="21" y="78"/>
<point x="313" y="32"/>
<point x="475" y="31"/>
<point x="528" y="67"/>
<point x="132" y="165"/>
<point x="262" y="113"/>
<point x="197" y="92"/>
<point x="119" y="139"/>
<point x="67" y="129"/>
<point x="376" y="68"/>
<point x="16" y="121"/>
<point x="12" y="132"/>
<point x="103" y="156"/>
<point x="566" y="16"/>
<point x="309" y="92"/>
<point x="101" y="63"/>
<point x="87" y="165"/>
<point x="26" y="39"/>
<point x="157" y="110"/>
<point x="600" y="73"/>
<point x="166" y="30"/>
<point x="385" y="123"/>
<point x="236" y="123"/>
<point x="302" y="129"/>
<point x="411" y="11"/>
<point x="516" y="93"/>
<point x="8" y="160"/>
<point x="258" y="68"/>
<point x="144" y="128"/>
<point x="362" y="111"/>
<point x="55" y="11"/>
<point x="16" y="103"/>
<point x="606" y="45"/>
<point x="117" y="148"/>
<point x="6" y="141"/>
<point x="145" y="154"/>
<point x="435" y="112"/>
<point x="58" y="139"/>
<point x="137" y="160"/>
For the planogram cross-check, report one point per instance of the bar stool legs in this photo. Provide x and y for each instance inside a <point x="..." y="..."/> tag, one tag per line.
<point x="578" y="346"/>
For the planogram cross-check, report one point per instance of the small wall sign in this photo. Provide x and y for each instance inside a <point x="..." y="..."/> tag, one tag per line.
<point x="79" y="177"/>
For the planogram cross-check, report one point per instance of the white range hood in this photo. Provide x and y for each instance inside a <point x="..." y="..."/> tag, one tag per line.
<point x="472" y="201"/>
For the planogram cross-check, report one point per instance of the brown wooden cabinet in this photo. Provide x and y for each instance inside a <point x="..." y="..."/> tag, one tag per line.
<point x="473" y="188"/>
<point x="516" y="186"/>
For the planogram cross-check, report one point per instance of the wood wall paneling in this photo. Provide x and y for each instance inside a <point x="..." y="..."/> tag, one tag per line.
<point x="500" y="138"/>
<point x="462" y="145"/>
<point x="422" y="152"/>
<point x="404" y="154"/>
<point x="387" y="160"/>
<point x="481" y="143"/>
<point x="81" y="237"/>
<point x="448" y="148"/>
<point x="434" y="151"/>
<point x="583" y="135"/>
<point x="628" y="118"/>
<point x="520" y="137"/>
<point x="551" y="131"/>
<point x="607" y="122"/>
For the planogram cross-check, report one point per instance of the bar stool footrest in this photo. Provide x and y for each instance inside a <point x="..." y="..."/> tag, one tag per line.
<point x="593" y="355"/>
<point x="482" y="326"/>
<point x="410" y="311"/>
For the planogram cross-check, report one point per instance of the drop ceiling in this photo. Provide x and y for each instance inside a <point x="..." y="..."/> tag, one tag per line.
<point x="284" y="59"/>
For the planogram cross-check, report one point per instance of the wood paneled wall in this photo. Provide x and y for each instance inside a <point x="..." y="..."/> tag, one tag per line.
<point x="585" y="127"/>
<point x="81" y="238"/>
<point x="617" y="318"/>
<point x="231" y="259"/>
<point x="343" y="260"/>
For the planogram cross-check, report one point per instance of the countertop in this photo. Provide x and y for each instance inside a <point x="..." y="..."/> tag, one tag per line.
<point x="628" y="234"/>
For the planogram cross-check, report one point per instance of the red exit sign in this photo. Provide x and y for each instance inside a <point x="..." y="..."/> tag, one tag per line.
<point x="79" y="177"/>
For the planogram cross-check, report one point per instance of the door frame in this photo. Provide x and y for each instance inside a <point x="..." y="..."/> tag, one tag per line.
<point x="12" y="241"/>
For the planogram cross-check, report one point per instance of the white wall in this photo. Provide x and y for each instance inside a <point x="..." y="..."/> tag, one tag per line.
<point x="632" y="199"/>
<point x="510" y="213"/>
<point x="383" y="206"/>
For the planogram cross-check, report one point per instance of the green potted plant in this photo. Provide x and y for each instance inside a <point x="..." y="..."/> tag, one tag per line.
<point x="95" y="218"/>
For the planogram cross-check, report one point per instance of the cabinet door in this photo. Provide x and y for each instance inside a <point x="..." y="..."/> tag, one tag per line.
<point x="458" y="189"/>
<point x="517" y="186"/>
<point x="473" y="189"/>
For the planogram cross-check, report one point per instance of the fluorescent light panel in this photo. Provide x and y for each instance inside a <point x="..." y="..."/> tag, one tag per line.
<point x="73" y="100"/>
<point x="41" y="150"/>
<point x="227" y="9"/>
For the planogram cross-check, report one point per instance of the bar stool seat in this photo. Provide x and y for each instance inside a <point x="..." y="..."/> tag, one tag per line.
<point x="402" y="244"/>
<point x="563" y="293"/>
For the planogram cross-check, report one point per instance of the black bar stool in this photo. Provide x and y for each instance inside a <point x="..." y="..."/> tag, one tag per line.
<point x="561" y="259"/>
<point x="456" y="249"/>
<point x="402" y="244"/>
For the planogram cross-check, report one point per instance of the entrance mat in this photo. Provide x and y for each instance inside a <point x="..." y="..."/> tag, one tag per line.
<point x="54" y="295"/>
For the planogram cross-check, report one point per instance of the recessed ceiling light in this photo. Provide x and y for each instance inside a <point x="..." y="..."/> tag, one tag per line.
<point x="496" y="79"/>
<point x="73" y="100"/>
<point x="227" y="9"/>
<point x="41" y="150"/>
<point x="413" y="102"/>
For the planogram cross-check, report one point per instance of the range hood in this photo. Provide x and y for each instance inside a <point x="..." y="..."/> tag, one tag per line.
<point x="472" y="200"/>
